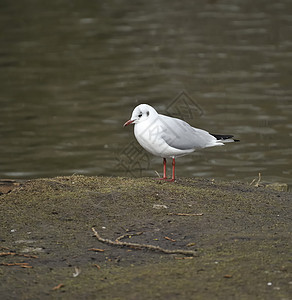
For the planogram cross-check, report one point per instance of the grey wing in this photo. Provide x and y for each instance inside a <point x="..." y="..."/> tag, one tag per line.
<point x="180" y="135"/>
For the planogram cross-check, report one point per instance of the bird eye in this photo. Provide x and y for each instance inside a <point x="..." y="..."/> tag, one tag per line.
<point x="147" y="113"/>
<point x="140" y="115"/>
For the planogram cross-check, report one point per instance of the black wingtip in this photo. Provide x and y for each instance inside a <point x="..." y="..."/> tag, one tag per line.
<point x="222" y="137"/>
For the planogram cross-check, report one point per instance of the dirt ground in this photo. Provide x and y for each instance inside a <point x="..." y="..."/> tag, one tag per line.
<point x="240" y="236"/>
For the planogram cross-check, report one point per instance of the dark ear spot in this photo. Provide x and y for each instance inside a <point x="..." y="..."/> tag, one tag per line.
<point x="147" y="113"/>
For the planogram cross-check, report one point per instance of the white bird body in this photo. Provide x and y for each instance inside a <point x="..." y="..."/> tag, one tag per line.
<point x="169" y="137"/>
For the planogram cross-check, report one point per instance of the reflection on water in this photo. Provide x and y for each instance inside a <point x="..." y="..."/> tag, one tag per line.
<point x="71" y="75"/>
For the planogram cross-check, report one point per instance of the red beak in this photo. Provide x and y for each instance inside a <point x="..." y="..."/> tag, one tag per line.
<point x="128" y="122"/>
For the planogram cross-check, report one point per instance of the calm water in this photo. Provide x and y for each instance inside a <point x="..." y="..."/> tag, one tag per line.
<point x="72" y="73"/>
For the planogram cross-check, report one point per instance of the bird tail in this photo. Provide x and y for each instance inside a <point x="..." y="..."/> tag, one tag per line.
<point x="224" y="138"/>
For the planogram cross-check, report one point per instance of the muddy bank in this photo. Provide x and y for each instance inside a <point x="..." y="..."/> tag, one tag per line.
<point x="239" y="234"/>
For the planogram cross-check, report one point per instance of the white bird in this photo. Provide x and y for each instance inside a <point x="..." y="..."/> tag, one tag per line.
<point x="169" y="137"/>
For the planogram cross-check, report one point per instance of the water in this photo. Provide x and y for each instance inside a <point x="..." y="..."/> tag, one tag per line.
<point x="71" y="73"/>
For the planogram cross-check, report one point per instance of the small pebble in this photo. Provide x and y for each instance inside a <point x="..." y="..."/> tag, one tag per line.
<point x="159" y="206"/>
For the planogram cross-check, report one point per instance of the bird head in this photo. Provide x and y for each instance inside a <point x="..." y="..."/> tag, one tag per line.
<point x="141" y="113"/>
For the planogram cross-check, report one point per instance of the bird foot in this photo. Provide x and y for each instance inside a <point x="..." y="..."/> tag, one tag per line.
<point x="166" y="179"/>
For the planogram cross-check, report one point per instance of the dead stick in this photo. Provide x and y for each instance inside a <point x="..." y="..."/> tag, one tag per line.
<point x="169" y="239"/>
<point x="58" y="286"/>
<point x="139" y="246"/>
<point x="7" y="253"/>
<point x="128" y="235"/>
<point x="22" y="265"/>
<point x="96" y="250"/>
<point x="17" y="254"/>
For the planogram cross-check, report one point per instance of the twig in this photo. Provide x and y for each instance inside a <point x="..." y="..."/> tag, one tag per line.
<point x="57" y="286"/>
<point x="141" y="246"/>
<point x="22" y="265"/>
<point x="185" y="214"/>
<point x="169" y="239"/>
<point x="157" y="173"/>
<point x="96" y="250"/>
<point x="17" y="254"/>
<point x="128" y="235"/>
<point x="257" y="184"/>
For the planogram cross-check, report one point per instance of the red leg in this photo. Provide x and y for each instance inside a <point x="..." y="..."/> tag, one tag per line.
<point x="164" y="171"/>
<point x="164" y="168"/>
<point x="173" y="169"/>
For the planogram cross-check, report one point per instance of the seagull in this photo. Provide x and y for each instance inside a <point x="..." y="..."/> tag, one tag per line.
<point x="169" y="137"/>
